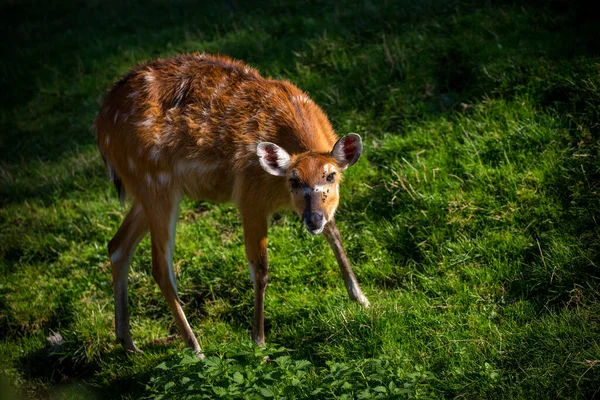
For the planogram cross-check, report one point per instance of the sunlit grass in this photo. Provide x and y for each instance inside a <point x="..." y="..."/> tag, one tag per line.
<point x="471" y="220"/>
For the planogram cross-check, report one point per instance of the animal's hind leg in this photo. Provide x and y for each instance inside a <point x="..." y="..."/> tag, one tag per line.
<point x="162" y="230"/>
<point x="121" y="249"/>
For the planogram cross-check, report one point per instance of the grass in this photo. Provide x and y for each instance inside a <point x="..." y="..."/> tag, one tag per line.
<point x="472" y="219"/>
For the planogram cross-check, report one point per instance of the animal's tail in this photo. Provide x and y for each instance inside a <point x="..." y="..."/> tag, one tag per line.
<point x="116" y="180"/>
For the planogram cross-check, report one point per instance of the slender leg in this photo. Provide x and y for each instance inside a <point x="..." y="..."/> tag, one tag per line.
<point x="162" y="230"/>
<point x="335" y="241"/>
<point x="121" y="249"/>
<point x="255" y="239"/>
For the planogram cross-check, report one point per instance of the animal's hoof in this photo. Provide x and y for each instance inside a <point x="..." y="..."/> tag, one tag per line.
<point x="364" y="302"/>
<point x="133" y="350"/>
<point x="199" y="354"/>
<point x="129" y="346"/>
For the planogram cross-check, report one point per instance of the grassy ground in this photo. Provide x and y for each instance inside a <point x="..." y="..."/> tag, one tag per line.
<point x="472" y="220"/>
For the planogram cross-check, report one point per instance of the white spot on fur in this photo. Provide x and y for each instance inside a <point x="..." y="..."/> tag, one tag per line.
<point x="132" y="95"/>
<point x="204" y="126"/>
<point x="183" y="83"/>
<point x="107" y="140"/>
<point x="154" y="154"/>
<point x="302" y="99"/>
<point x="149" y="77"/>
<point x="131" y="164"/>
<point x="149" y="179"/>
<point x="116" y="116"/>
<point x="163" y="178"/>
<point x="328" y="169"/>
<point x="148" y="122"/>
<point x="218" y="88"/>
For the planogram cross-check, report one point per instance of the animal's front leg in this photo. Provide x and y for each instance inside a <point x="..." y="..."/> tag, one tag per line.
<point x="255" y="239"/>
<point x="332" y="234"/>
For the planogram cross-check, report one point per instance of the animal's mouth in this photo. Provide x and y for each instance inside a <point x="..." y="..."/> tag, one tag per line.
<point x="314" y="230"/>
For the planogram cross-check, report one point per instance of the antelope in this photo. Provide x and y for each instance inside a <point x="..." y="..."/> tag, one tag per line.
<point x="211" y="128"/>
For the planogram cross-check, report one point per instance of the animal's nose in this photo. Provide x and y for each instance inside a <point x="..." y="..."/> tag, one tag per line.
<point x="316" y="219"/>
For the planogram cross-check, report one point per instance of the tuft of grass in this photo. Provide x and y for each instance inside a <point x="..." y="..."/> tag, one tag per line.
<point x="471" y="220"/>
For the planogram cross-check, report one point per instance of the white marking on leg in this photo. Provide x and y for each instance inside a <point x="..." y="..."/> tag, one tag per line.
<point x="116" y="256"/>
<point x="171" y="246"/>
<point x="111" y="172"/>
<point x="251" y="268"/>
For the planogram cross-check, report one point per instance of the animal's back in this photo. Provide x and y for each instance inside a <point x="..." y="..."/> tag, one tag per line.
<point x="194" y="122"/>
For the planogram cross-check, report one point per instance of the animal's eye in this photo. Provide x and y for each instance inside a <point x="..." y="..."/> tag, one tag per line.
<point x="331" y="177"/>
<point x="294" y="183"/>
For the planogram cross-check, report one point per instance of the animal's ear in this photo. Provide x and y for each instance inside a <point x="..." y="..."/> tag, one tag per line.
<point x="273" y="158"/>
<point x="347" y="150"/>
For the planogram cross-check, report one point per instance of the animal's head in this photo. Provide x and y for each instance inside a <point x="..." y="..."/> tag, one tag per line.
<point x="312" y="178"/>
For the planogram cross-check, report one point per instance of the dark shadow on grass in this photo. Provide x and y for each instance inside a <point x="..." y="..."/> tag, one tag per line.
<point x="63" y="76"/>
<point x="44" y="115"/>
<point x="55" y="368"/>
<point x="63" y="370"/>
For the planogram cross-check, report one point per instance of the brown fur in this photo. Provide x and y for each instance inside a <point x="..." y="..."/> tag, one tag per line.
<point x="191" y="125"/>
<point x="165" y="114"/>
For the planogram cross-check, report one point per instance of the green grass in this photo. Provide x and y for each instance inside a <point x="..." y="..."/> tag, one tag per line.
<point x="472" y="220"/>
